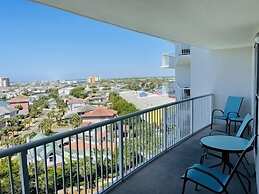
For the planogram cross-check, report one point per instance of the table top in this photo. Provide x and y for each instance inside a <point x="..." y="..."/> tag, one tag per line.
<point x="225" y="143"/>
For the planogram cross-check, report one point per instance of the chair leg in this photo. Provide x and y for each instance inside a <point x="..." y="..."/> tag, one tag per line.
<point x="246" y="169"/>
<point x="242" y="184"/>
<point x="184" y="184"/>
<point x="228" y="127"/>
<point x="196" y="187"/>
<point x="246" y="160"/>
<point x="211" y="123"/>
<point x="224" y="167"/>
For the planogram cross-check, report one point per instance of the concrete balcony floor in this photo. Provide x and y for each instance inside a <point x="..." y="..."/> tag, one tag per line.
<point x="162" y="176"/>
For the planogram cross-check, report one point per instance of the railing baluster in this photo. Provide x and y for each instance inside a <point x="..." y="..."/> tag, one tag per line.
<point x="191" y="117"/>
<point x="143" y="140"/>
<point x="96" y="160"/>
<point x="55" y="168"/>
<point x="107" y="152"/>
<point x="133" y="142"/>
<point x="84" y="160"/>
<point x="121" y="149"/>
<point x="146" y="138"/>
<point x="36" y="170"/>
<point x="90" y="161"/>
<point x="125" y="147"/>
<point x="102" y="158"/>
<point x="111" y="131"/>
<point x="10" y="172"/>
<point x="77" y="169"/>
<point x="70" y="165"/>
<point x="24" y="175"/>
<point x="165" y="119"/>
<point x="46" y="170"/>
<point x="129" y="147"/>
<point x="116" y="151"/>
<point x="137" y="140"/>
<point x="63" y="166"/>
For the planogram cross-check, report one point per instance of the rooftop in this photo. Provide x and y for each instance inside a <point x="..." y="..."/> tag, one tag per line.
<point x="19" y="99"/>
<point x="101" y="112"/>
<point x="75" y="101"/>
<point x="145" y="101"/>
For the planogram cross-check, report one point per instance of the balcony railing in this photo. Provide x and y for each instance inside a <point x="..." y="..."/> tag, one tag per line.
<point x="94" y="159"/>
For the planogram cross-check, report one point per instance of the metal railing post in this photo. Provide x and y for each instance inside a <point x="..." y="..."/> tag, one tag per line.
<point x="24" y="175"/>
<point x="121" y="149"/>
<point x="191" y="118"/>
<point x="165" y="126"/>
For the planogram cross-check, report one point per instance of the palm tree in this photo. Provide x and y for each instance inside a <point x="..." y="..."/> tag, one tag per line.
<point x="46" y="126"/>
<point x="75" y="120"/>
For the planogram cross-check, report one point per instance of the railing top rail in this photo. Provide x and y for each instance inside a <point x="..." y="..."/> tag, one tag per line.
<point x="56" y="137"/>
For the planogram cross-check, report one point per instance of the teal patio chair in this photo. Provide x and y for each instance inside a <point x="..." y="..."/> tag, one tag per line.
<point x="213" y="179"/>
<point x="244" y="125"/>
<point x="231" y="109"/>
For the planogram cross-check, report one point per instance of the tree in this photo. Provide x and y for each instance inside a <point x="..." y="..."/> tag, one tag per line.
<point x="46" y="126"/>
<point x="75" y="120"/>
<point x="121" y="105"/>
<point x="36" y="108"/>
<point x="53" y="93"/>
<point x="78" y="92"/>
<point x="19" y="107"/>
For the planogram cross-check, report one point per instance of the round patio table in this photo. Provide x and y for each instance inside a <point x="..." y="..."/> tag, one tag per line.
<point x="226" y="145"/>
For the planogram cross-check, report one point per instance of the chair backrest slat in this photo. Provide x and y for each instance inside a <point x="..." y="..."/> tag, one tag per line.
<point x="244" y="125"/>
<point x="233" y="104"/>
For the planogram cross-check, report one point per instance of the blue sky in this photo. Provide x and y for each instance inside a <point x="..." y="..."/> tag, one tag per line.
<point x="42" y="43"/>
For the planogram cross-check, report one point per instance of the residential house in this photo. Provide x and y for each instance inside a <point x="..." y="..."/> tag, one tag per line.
<point x="40" y="152"/>
<point x="99" y="114"/>
<point x="75" y="103"/>
<point x="65" y="91"/>
<point x="6" y="110"/>
<point x="20" y="102"/>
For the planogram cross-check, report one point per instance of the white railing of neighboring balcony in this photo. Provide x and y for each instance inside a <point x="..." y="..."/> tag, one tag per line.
<point x="94" y="159"/>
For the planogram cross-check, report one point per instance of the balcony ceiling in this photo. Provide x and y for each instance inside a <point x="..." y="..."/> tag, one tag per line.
<point x="206" y="23"/>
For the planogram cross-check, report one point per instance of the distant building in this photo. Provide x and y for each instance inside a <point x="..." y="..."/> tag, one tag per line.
<point x="6" y="110"/>
<point x="143" y="100"/>
<point x="4" y="82"/>
<point x="21" y="101"/>
<point x="75" y="103"/>
<point x="52" y="103"/>
<point x="40" y="152"/>
<point x="79" y="110"/>
<point x="99" y="114"/>
<point x="93" y="79"/>
<point x="64" y="91"/>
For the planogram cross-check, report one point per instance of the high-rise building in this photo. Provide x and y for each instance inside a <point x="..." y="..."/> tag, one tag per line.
<point x="4" y="82"/>
<point x="93" y="79"/>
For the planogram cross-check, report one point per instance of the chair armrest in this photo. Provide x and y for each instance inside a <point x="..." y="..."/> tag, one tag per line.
<point x="217" y="110"/>
<point x="205" y="172"/>
<point x="217" y="132"/>
<point x="232" y="113"/>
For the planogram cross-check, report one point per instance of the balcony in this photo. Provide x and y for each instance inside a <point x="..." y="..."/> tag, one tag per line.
<point x="163" y="174"/>
<point x="164" y="140"/>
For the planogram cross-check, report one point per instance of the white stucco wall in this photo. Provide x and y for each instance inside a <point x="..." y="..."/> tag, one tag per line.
<point x="223" y="72"/>
<point x="183" y="75"/>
